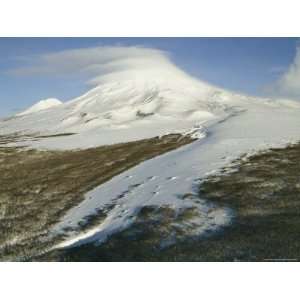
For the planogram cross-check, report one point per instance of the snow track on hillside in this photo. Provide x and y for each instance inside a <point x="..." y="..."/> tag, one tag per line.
<point x="145" y="95"/>
<point x="165" y="180"/>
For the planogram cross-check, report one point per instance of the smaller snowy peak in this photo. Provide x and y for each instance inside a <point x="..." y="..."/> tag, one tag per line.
<point x="41" y="105"/>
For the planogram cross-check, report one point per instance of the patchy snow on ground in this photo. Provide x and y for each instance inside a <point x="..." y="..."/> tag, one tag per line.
<point x="166" y="179"/>
<point x="157" y="102"/>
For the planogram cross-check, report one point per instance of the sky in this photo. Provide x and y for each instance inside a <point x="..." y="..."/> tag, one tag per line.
<point x="32" y="69"/>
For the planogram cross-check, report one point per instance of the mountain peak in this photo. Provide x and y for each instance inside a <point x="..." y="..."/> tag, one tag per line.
<point x="41" y="105"/>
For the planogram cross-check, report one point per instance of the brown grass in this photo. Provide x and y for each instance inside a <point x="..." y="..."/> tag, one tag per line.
<point x="38" y="187"/>
<point x="264" y="193"/>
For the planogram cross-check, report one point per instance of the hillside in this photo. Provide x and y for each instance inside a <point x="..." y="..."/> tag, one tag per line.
<point x="155" y="102"/>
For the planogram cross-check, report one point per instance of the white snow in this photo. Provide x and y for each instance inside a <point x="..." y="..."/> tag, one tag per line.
<point x="125" y="108"/>
<point x="155" y="102"/>
<point x="41" y="105"/>
<point x="165" y="179"/>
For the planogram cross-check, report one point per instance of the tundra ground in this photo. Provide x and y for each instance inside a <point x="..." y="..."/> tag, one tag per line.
<point x="264" y="194"/>
<point x="38" y="187"/>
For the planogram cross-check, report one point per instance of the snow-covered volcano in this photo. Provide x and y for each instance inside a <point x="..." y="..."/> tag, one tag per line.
<point x="143" y="97"/>
<point x="133" y="100"/>
<point x="41" y="105"/>
<point x="139" y="93"/>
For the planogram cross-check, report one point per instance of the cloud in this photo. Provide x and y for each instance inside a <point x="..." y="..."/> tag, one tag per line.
<point x="100" y="64"/>
<point x="288" y="84"/>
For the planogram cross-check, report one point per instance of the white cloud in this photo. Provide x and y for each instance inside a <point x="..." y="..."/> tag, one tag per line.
<point x="288" y="85"/>
<point x="100" y="64"/>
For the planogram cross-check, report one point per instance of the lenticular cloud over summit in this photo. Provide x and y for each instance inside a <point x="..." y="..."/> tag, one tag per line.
<point x="137" y="93"/>
<point x="140" y="94"/>
<point x="102" y="64"/>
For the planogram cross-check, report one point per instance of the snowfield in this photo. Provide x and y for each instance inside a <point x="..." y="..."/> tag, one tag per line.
<point x="166" y="179"/>
<point x="154" y="103"/>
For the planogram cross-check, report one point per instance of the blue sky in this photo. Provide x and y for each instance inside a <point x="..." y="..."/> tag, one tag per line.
<point x="247" y="65"/>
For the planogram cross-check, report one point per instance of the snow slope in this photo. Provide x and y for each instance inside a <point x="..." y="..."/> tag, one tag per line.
<point x="127" y="106"/>
<point x="41" y="105"/>
<point x="165" y="179"/>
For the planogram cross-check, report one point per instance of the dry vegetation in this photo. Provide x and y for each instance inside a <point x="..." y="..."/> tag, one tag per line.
<point x="155" y="229"/>
<point x="264" y="192"/>
<point x="38" y="187"/>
